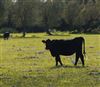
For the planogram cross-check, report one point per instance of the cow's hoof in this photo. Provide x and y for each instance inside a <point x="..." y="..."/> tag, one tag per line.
<point x="62" y="65"/>
<point x="83" y="65"/>
<point x="75" y="64"/>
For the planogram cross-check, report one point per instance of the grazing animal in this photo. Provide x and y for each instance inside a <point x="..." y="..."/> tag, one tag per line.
<point x="6" y="35"/>
<point x="66" y="47"/>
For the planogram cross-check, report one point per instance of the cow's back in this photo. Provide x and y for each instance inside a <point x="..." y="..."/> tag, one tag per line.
<point x="63" y="47"/>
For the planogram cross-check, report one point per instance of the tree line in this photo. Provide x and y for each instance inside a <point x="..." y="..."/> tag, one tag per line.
<point x="77" y="16"/>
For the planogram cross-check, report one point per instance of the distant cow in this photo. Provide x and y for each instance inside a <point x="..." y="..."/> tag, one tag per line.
<point x="6" y="35"/>
<point x="66" y="47"/>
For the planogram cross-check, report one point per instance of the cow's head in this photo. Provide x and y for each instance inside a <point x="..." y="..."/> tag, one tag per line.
<point x="47" y="43"/>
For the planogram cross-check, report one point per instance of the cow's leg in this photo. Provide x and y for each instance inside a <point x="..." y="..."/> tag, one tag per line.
<point x="57" y="59"/>
<point x="77" y="57"/>
<point x="82" y="59"/>
<point x="7" y="38"/>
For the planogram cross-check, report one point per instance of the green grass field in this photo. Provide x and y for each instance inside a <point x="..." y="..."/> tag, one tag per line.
<point x="25" y="63"/>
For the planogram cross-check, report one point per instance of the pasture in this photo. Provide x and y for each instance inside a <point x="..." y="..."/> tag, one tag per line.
<point x="24" y="62"/>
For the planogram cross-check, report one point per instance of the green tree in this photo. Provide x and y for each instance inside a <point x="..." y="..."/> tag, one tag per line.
<point x="1" y="11"/>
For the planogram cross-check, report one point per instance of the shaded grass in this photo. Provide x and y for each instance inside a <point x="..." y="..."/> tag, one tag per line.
<point x="25" y="63"/>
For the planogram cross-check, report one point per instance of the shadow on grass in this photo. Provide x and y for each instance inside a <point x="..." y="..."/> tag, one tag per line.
<point x="67" y="66"/>
<point x="57" y="35"/>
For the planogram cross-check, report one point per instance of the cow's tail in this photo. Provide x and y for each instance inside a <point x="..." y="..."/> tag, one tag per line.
<point x="83" y="43"/>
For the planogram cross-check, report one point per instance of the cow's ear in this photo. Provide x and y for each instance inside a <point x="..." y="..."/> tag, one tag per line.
<point x="43" y="41"/>
<point x="48" y="40"/>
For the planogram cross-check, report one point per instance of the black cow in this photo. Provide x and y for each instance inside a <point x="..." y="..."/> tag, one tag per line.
<point x="66" y="47"/>
<point x="6" y="35"/>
